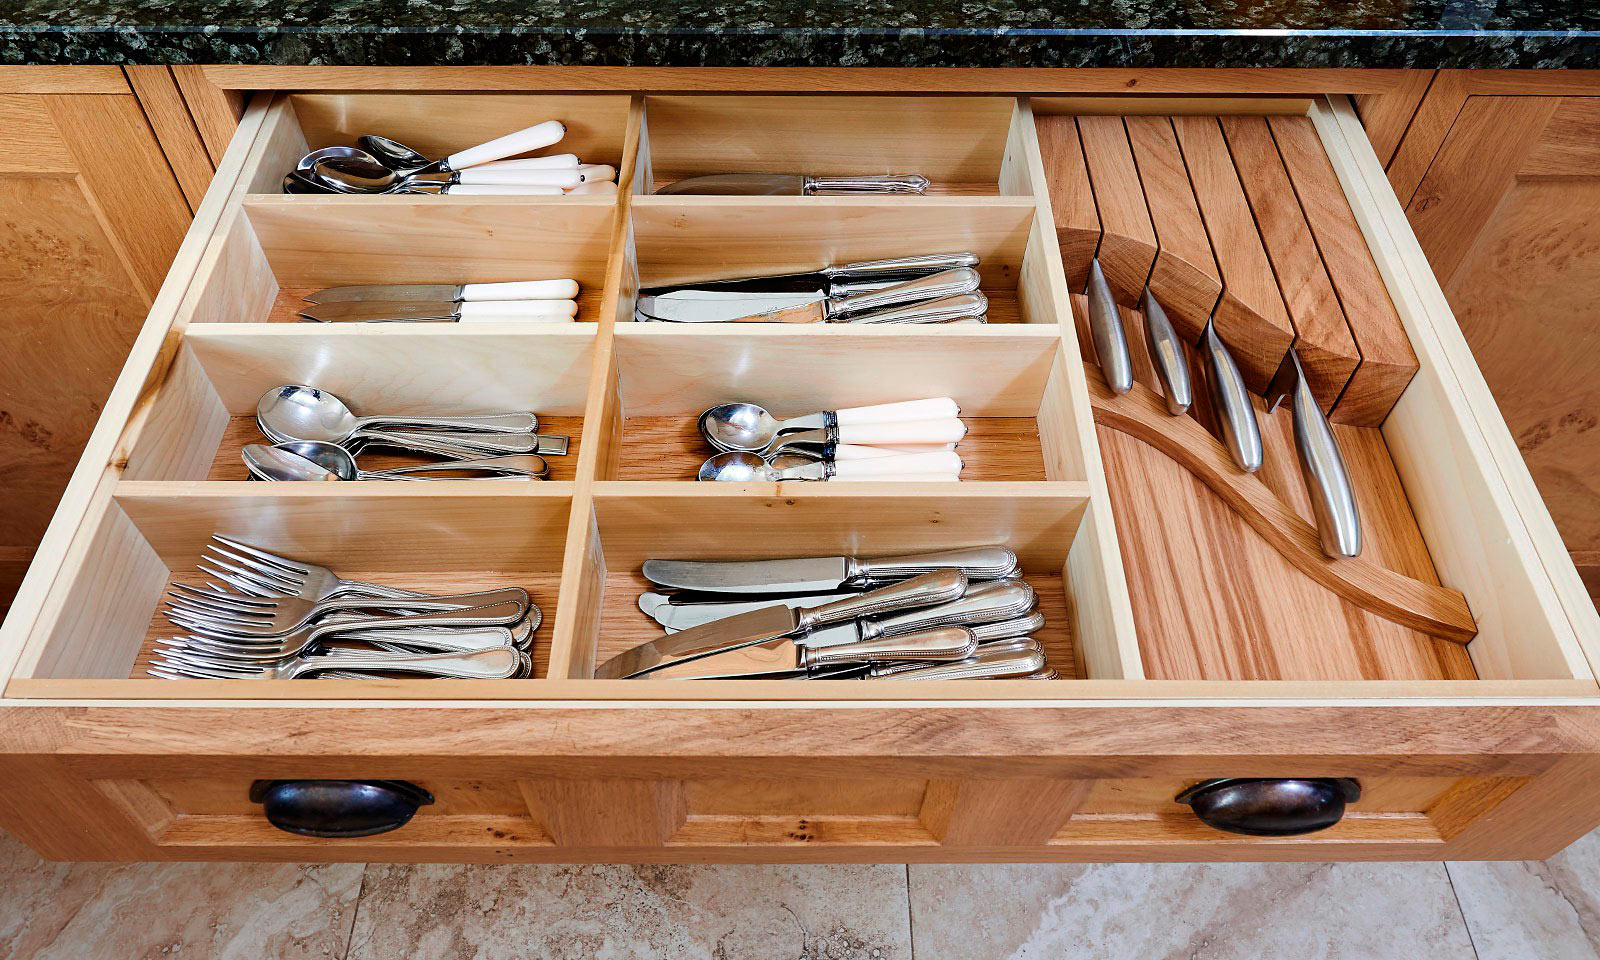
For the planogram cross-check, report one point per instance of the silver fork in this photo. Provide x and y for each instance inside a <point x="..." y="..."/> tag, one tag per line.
<point x="272" y="616"/>
<point x="258" y="573"/>
<point x="495" y="615"/>
<point x="496" y="664"/>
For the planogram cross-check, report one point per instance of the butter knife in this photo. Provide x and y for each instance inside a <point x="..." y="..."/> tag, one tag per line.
<point x="831" y="281"/>
<point x="441" y="311"/>
<point x="840" y="309"/>
<point x="778" y="621"/>
<point x="792" y="184"/>
<point x="813" y="574"/>
<point x="450" y="292"/>
<point x="993" y="602"/>
<point x="784" y="659"/>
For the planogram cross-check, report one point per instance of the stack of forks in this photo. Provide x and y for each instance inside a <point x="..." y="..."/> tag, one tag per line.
<point x="285" y="619"/>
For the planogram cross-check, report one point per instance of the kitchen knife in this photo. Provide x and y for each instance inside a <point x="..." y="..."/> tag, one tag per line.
<point x="835" y="280"/>
<point x="824" y="573"/>
<point x="450" y="292"/>
<point x="1105" y="328"/>
<point x="783" y="659"/>
<point x="1230" y="401"/>
<point x="442" y="311"/>
<point x="1333" y="498"/>
<point x="839" y="309"/>
<point x="778" y="621"/>
<point x="1167" y="355"/>
<point x="792" y="185"/>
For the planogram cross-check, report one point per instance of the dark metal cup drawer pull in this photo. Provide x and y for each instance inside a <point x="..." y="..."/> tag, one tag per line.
<point x="338" y="808"/>
<point x="1271" y="807"/>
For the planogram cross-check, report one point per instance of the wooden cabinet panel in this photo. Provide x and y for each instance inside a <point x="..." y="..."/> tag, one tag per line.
<point x="1509" y="214"/>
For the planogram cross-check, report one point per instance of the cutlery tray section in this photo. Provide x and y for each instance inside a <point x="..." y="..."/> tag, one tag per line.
<point x="1140" y="572"/>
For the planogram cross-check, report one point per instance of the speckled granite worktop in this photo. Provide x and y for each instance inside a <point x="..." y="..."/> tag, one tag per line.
<point x="868" y="33"/>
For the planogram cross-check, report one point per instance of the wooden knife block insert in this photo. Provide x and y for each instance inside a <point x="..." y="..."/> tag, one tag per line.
<point x="1153" y="589"/>
<point x="958" y="143"/>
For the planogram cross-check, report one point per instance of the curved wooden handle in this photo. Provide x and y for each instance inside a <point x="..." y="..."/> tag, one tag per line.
<point x="1425" y="607"/>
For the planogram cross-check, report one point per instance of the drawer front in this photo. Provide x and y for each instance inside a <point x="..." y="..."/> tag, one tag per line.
<point x="1484" y="750"/>
<point x="889" y="785"/>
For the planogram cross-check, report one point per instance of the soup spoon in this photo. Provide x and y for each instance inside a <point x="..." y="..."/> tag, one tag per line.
<point x="334" y="459"/>
<point x="743" y="467"/>
<point x="747" y="426"/>
<point x="300" y="412"/>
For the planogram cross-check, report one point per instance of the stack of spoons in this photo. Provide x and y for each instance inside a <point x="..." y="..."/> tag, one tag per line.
<point x="911" y="440"/>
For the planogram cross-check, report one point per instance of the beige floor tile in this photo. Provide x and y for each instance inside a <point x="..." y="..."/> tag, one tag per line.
<point x="1189" y="911"/>
<point x="613" y="912"/>
<point x="1550" y="909"/>
<point x="217" y="911"/>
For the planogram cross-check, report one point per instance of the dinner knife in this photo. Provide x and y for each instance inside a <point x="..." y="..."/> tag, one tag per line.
<point x="792" y="185"/>
<point x="835" y="280"/>
<point x="675" y="616"/>
<point x="1333" y="498"/>
<point x="992" y="602"/>
<point x="784" y="659"/>
<point x="778" y="621"/>
<point x="834" y="309"/>
<point x="812" y="574"/>
<point x="441" y="311"/>
<point x="450" y="292"/>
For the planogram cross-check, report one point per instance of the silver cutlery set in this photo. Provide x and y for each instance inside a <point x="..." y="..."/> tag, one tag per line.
<point x="932" y="289"/>
<point x="379" y="165"/>
<point x="910" y="441"/>
<point x="276" y="618"/>
<point x="515" y="301"/>
<point x="956" y="614"/>
<point x="314" y="435"/>
<point x="1333" y="500"/>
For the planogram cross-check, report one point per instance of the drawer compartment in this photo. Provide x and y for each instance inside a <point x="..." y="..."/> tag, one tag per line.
<point x="1168" y="675"/>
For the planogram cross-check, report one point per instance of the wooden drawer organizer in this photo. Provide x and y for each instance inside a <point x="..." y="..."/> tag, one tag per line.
<point x="1168" y="663"/>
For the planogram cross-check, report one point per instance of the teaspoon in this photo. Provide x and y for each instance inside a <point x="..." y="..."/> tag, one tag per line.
<point x="749" y="427"/>
<point x="743" y="467"/>
<point x="300" y="412"/>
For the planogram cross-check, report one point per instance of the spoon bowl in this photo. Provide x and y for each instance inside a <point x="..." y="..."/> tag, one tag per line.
<point x="738" y="427"/>
<point x="358" y="172"/>
<point x="299" y="412"/>
<point x="271" y="463"/>
<point x="309" y="161"/>
<point x="394" y="154"/>
<point x="329" y="456"/>
<point x="736" y="467"/>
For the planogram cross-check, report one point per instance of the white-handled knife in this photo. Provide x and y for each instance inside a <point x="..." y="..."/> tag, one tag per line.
<point x="448" y="292"/>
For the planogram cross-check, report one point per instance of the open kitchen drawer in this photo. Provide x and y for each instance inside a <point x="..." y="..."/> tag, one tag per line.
<point x="1483" y="749"/>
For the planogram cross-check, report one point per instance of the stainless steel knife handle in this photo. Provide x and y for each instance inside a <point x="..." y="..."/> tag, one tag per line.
<point x="978" y="563"/>
<point x="1105" y="327"/>
<point x="985" y="664"/>
<point x="1016" y="645"/>
<point x="898" y="268"/>
<point x="982" y="603"/>
<point x="956" y="309"/>
<point x="941" y="645"/>
<point x="891" y="183"/>
<point x="1230" y="400"/>
<point x="934" y="286"/>
<point x="1167" y="355"/>
<point x="1004" y="629"/>
<point x="1333" y="498"/>
<point x="939" y="586"/>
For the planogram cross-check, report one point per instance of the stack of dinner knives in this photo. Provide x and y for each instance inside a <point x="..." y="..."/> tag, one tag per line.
<point x="931" y="289"/>
<point x="955" y="614"/>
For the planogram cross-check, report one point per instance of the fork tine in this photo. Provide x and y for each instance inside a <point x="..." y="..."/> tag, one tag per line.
<point x="222" y="568"/>
<point x="241" y="582"/>
<point x="207" y="607"/>
<point x="239" y="591"/>
<point x="216" y="593"/>
<point x="260" y="554"/>
<point x="226" y="631"/>
<point x="216" y="615"/>
<point x="262" y="570"/>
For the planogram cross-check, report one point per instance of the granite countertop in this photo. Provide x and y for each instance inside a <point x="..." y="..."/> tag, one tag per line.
<point x="865" y="33"/>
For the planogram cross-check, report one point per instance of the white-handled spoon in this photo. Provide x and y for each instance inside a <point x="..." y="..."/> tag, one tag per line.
<point x="742" y="467"/>
<point x="747" y="426"/>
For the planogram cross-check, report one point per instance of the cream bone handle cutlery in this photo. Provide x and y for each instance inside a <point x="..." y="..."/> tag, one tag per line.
<point x="1333" y="498"/>
<point x="742" y="467"/>
<point x="536" y="137"/>
<point x="749" y="427"/>
<point x="442" y="311"/>
<point x="776" y="622"/>
<point x="450" y="292"/>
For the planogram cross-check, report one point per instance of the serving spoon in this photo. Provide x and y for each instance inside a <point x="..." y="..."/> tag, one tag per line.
<point x="300" y="412"/>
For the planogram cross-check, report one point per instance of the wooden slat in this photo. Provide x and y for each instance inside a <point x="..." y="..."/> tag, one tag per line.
<point x="62" y="79"/>
<point x="168" y="114"/>
<point x="1077" y="222"/>
<point x="1250" y="318"/>
<point x="1386" y="116"/>
<point x="216" y="111"/>
<point x="1128" y="239"/>
<point x="1185" y="278"/>
<point x="1387" y="361"/>
<point x="1322" y="337"/>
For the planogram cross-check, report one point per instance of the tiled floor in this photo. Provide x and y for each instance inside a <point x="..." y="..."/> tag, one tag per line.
<point x="1409" y="911"/>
